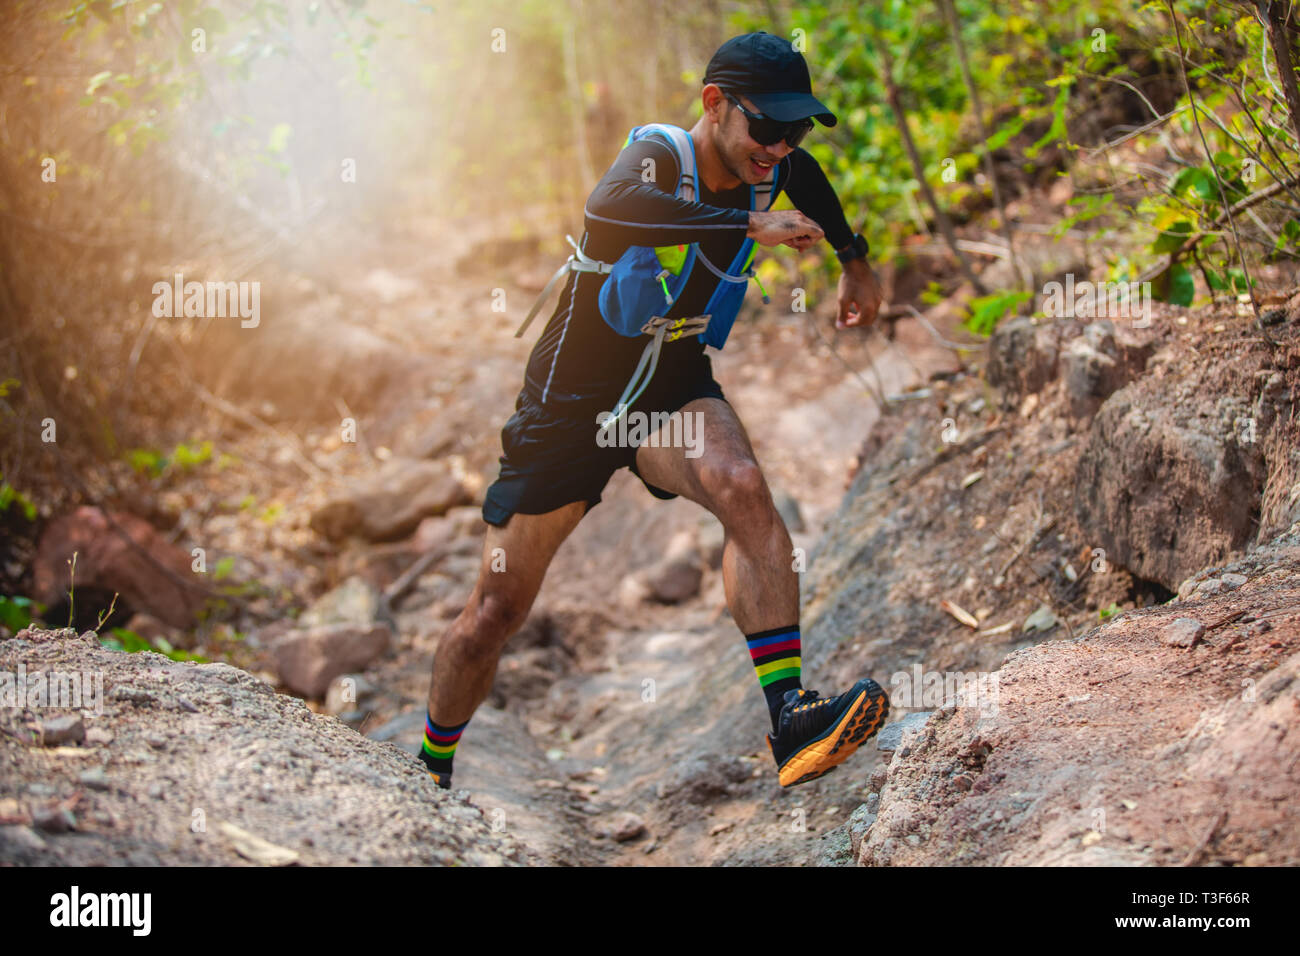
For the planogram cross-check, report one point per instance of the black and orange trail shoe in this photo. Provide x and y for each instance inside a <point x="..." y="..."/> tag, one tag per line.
<point x="443" y="780"/>
<point x="816" y="734"/>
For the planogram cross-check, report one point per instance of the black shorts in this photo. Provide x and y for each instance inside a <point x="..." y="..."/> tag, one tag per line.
<point x="550" y="460"/>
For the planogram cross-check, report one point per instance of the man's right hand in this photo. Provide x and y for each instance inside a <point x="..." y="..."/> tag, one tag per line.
<point x="788" y="226"/>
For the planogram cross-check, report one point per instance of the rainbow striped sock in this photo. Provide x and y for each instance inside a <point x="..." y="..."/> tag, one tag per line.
<point x="439" y="749"/>
<point x="775" y="654"/>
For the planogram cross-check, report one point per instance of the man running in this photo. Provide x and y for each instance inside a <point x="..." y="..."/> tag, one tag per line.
<point x="757" y="101"/>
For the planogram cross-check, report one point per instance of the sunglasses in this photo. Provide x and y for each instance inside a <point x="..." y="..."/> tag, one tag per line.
<point x="766" y="131"/>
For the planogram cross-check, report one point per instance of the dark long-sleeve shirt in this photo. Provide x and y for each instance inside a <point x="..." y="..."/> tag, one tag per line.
<point x="579" y="361"/>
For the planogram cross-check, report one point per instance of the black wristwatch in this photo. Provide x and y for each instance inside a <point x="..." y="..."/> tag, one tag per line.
<point x="857" y="249"/>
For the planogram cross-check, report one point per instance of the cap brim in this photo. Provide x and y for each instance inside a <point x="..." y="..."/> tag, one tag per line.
<point x="788" y="107"/>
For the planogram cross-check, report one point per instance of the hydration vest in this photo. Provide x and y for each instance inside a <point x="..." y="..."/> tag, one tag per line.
<point x="645" y="281"/>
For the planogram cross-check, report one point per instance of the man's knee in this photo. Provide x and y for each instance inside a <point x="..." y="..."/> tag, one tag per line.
<point x="737" y="489"/>
<point x="496" y="616"/>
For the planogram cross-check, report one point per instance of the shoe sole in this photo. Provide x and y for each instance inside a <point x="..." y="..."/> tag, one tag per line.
<point x="858" y="724"/>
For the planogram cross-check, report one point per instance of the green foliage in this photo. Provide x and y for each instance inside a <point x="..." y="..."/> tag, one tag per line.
<point x="122" y="639"/>
<point x="223" y="568"/>
<point x="987" y="311"/>
<point x="17" y="612"/>
<point x="9" y="495"/>
<point x="1109" y="612"/>
<point x="184" y="457"/>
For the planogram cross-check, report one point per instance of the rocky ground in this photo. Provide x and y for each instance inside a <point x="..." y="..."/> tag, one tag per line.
<point x="203" y="764"/>
<point x="1165" y="737"/>
<point x="1021" y="518"/>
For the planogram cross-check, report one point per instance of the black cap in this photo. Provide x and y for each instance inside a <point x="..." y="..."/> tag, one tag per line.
<point x="770" y="72"/>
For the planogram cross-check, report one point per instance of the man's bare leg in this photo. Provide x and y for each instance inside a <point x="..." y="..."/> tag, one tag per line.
<point x="467" y="655"/>
<point x="814" y="734"/>
<point x="761" y="584"/>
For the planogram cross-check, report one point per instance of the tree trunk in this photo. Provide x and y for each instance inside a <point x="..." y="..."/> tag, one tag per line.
<point x="954" y="27"/>
<point x="1281" y="37"/>
<point x="918" y="169"/>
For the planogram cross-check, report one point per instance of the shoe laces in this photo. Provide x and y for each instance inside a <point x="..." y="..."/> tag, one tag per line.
<point x="809" y="700"/>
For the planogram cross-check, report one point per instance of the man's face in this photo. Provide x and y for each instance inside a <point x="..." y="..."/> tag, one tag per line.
<point x="745" y="159"/>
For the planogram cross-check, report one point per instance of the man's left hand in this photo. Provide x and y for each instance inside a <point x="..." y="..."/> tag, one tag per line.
<point x="859" y="295"/>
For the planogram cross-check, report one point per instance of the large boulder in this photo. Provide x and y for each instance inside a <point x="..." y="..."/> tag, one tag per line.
<point x="308" y="660"/>
<point x="342" y="631"/>
<point x="1098" y="363"/>
<point x="149" y="572"/>
<point x="1164" y="484"/>
<point x="389" y="504"/>
<point x="1021" y="359"/>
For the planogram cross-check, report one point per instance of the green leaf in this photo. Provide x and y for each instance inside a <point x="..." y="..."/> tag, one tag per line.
<point x="1172" y="239"/>
<point x="128" y="641"/>
<point x="1182" y="287"/>
<point x="223" y="568"/>
<point x="987" y="311"/>
<point x="1288" y="236"/>
<point x="98" y="80"/>
<point x="11" y="495"/>
<point x="1057" y="131"/>
<point x="1195" y="180"/>
<point x="279" y="137"/>
<point x="1011" y="128"/>
<point x="15" y="613"/>
<point x="145" y="461"/>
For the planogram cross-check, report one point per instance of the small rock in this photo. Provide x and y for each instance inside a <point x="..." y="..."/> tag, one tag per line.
<point x="963" y="781"/>
<point x="53" y="819"/>
<point x="626" y="826"/>
<point x="878" y="776"/>
<point x="63" y="730"/>
<point x="354" y="602"/>
<point x="95" y="779"/>
<point x="135" y="695"/>
<point x="1208" y="587"/>
<point x="890" y="737"/>
<point x="156" y="741"/>
<point x="20" y="837"/>
<point x="99" y="735"/>
<point x="1232" y="580"/>
<point x="1183" y="632"/>
<point x="675" y="579"/>
<point x="1041" y="620"/>
<point x="632" y="591"/>
<point x="859" y="825"/>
